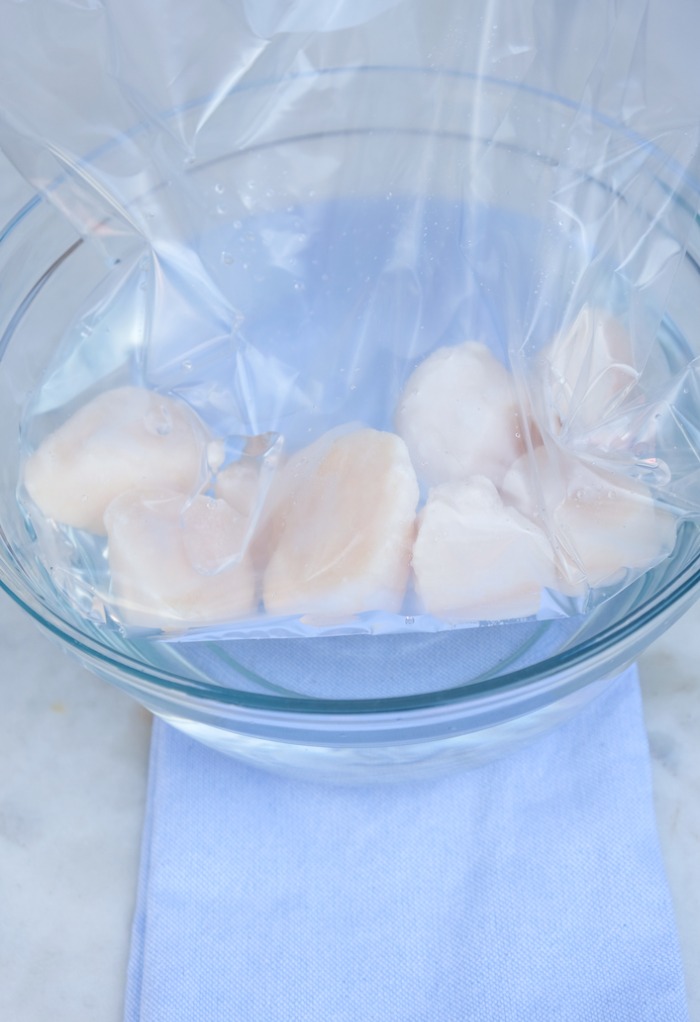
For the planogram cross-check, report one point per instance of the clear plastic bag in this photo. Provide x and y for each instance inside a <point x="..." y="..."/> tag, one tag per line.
<point x="407" y="285"/>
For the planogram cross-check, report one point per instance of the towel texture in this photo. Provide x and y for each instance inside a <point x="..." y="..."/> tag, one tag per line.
<point x="528" y="889"/>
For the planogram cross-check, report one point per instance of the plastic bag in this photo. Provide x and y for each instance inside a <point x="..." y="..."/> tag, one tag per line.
<point x="323" y="225"/>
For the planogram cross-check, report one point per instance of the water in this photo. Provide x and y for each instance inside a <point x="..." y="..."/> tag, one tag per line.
<point x="305" y="319"/>
<point x="335" y="303"/>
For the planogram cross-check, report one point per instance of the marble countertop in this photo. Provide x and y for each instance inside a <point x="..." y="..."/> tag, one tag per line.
<point x="72" y="791"/>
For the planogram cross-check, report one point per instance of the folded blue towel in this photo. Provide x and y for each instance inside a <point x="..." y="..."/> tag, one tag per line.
<point x="528" y="889"/>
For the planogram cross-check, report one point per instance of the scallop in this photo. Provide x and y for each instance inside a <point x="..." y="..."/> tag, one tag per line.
<point x="341" y="527"/>
<point x="123" y="439"/>
<point x="476" y="559"/>
<point x="602" y="524"/>
<point x="586" y="373"/>
<point x="178" y="561"/>
<point x="459" y="417"/>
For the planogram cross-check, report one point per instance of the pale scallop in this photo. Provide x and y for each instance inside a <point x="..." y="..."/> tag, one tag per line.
<point x="601" y="524"/>
<point x="585" y="374"/>
<point x="475" y="559"/>
<point x="342" y="527"/>
<point x="177" y="561"/>
<point x="239" y="485"/>
<point x="125" y="438"/>
<point x="459" y="417"/>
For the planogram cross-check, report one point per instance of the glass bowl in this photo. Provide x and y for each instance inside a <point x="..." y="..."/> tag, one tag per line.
<point x="351" y="707"/>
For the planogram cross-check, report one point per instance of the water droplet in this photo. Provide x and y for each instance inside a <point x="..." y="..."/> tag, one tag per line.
<point x="298" y="286"/>
<point x="220" y="209"/>
<point x="226" y="258"/>
<point x="187" y="365"/>
<point x="237" y="225"/>
<point x="219" y="188"/>
<point x="410" y="620"/>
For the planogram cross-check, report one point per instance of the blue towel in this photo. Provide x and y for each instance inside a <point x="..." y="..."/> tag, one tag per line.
<point x="528" y="889"/>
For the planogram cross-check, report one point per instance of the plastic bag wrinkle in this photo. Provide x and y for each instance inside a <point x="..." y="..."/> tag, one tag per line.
<point x="301" y="205"/>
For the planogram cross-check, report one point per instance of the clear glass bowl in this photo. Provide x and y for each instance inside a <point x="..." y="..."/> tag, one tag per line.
<point x="347" y="707"/>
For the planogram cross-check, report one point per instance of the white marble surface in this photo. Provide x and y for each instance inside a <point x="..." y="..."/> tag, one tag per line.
<point x="72" y="789"/>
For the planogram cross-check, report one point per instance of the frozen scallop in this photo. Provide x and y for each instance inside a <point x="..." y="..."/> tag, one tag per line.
<point x="586" y="371"/>
<point x="476" y="559"/>
<point x="342" y="526"/>
<point x="601" y="524"/>
<point x="239" y="485"/>
<point x="252" y="487"/>
<point x="177" y="560"/>
<point x="459" y="417"/>
<point x="125" y="438"/>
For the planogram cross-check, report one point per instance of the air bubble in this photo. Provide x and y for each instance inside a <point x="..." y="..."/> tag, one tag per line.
<point x="226" y="258"/>
<point x="219" y="188"/>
